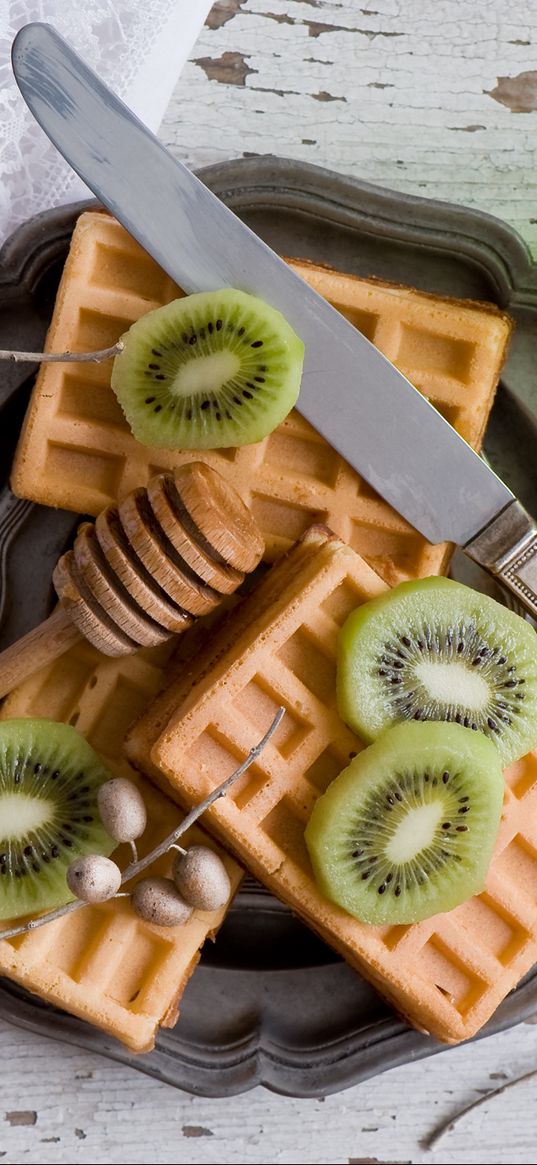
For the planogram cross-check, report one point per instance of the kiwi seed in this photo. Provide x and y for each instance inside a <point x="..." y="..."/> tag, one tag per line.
<point x="437" y="650"/>
<point x="408" y="828"/>
<point x="207" y="371"/>
<point x="49" y="779"/>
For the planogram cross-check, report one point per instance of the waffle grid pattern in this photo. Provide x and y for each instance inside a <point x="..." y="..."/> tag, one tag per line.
<point x="447" y="974"/>
<point x="103" y="963"/>
<point x="77" y="450"/>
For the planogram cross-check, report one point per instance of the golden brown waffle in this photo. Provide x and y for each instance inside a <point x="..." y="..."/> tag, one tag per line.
<point x="77" y="452"/>
<point x="447" y="974"/>
<point x="103" y="963"/>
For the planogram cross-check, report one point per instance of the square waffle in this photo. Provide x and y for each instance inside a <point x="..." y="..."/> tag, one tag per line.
<point x="446" y="975"/>
<point x="77" y="452"/>
<point x="103" y="963"/>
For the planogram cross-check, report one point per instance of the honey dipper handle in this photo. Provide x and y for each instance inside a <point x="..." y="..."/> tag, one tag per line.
<point x="37" y="648"/>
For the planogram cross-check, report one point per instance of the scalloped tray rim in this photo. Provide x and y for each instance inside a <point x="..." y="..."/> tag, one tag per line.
<point x="440" y="227"/>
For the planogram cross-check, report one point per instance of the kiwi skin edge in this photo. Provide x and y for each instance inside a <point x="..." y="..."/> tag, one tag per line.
<point x="49" y="763"/>
<point x="407" y="748"/>
<point x="366" y="704"/>
<point x="211" y="370"/>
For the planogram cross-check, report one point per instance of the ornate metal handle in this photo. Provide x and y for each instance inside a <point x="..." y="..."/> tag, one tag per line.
<point x="507" y="549"/>
<point x="13" y="514"/>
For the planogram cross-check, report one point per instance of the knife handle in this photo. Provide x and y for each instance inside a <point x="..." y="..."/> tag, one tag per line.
<point x="507" y="549"/>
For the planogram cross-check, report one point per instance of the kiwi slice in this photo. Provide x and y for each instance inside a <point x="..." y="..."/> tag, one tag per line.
<point x="408" y="829"/>
<point x="437" y="650"/>
<point x="49" y="778"/>
<point x="207" y="371"/>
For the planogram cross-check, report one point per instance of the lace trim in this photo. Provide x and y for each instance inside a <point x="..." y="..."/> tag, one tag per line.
<point x="115" y="37"/>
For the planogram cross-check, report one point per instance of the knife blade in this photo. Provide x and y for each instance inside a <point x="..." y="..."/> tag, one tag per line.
<point x="367" y="410"/>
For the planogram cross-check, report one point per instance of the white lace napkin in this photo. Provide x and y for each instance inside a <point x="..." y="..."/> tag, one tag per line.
<point x="138" y="47"/>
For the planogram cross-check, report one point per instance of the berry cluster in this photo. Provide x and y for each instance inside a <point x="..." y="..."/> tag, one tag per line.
<point x="199" y="878"/>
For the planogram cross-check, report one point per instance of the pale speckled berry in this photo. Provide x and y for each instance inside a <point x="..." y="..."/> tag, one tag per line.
<point x="201" y="878"/>
<point x="122" y="810"/>
<point x="157" y="900"/>
<point x="93" y="878"/>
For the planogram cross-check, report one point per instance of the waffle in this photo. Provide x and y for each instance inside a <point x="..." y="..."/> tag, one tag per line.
<point x="446" y="975"/>
<point x="76" y="450"/>
<point x="103" y="963"/>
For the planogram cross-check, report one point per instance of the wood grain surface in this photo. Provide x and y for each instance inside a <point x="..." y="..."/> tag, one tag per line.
<point x="433" y="97"/>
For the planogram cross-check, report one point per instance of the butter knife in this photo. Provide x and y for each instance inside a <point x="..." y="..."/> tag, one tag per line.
<point x="353" y="395"/>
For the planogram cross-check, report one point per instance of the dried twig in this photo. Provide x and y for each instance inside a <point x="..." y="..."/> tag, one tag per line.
<point x="63" y="357"/>
<point x="135" y="868"/>
<point x="442" y="1130"/>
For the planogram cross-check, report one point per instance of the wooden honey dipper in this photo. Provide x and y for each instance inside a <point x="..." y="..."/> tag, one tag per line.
<point x="167" y="553"/>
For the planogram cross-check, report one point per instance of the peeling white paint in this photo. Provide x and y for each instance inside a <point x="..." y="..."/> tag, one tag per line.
<point x="432" y="130"/>
<point x="127" y="1118"/>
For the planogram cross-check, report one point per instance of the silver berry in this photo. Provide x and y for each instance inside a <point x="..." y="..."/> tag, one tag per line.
<point x="122" y="809"/>
<point x="93" y="878"/>
<point x="157" y="900"/>
<point x="201" y="878"/>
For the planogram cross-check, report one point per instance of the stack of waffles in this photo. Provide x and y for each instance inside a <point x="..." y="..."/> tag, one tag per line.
<point x="277" y="647"/>
<point x="103" y="963"/>
<point x="77" y="451"/>
<point x="447" y="974"/>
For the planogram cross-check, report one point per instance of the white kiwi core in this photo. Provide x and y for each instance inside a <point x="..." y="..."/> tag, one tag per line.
<point x="453" y="681"/>
<point x="205" y="373"/>
<point x="19" y="815"/>
<point x="415" y="832"/>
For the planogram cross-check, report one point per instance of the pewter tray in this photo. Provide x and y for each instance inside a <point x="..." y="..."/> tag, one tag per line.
<point x="270" y="1004"/>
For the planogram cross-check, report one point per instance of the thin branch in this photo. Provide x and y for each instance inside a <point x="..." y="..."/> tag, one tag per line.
<point x="63" y="357"/>
<point x="442" y="1131"/>
<point x="135" y="868"/>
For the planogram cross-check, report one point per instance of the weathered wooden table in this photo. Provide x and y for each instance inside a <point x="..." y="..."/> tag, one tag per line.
<point x="434" y="97"/>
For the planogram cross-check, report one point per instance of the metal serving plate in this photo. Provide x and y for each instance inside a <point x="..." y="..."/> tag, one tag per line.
<point x="270" y="1003"/>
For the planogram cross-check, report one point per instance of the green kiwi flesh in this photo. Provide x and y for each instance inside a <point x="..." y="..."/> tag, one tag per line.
<point x="208" y="371"/>
<point x="49" y="778"/>
<point x="437" y="650"/>
<point x="408" y="829"/>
